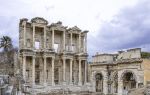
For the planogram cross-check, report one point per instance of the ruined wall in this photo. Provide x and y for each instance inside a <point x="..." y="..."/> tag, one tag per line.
<point x="146" y="68"/>
<point x="131" y="53"/>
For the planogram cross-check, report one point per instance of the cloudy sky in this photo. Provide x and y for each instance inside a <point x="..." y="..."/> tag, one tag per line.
<point x="113" y="24"/>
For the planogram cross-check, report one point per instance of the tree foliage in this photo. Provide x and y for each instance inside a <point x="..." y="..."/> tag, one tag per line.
<point x="145" y="54"/>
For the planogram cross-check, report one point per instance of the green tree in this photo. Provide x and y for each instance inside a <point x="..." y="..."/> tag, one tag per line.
<point x="6" y="43"/>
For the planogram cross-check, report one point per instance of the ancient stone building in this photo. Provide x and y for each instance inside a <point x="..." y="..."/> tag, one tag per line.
<point x="52" y="55"/>
<point x="117" y="73"/>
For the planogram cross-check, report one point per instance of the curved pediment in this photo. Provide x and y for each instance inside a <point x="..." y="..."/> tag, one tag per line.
<point x="39" y="20"/>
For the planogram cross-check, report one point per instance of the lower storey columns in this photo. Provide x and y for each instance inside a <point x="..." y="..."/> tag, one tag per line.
<point x="64" y="70"/>
<point x="33" y="70"/>
<point x="70" y="71"/>
<point x="53" y="72"/>
<point x="85" y="81"/>
<point x="45" y="70"/>
<point x="24" y="67"/>
<point x="80" y="73"/>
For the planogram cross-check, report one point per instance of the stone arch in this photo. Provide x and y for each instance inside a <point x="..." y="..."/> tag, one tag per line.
<point x="128" y="71"/>
<point x="129" y="80"/>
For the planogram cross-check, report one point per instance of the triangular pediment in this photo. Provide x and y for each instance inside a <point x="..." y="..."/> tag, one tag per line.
<point x="75" y="28"/>
<point x="39" y="20"/>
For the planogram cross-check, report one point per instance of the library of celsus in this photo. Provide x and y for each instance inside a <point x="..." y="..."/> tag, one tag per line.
<point x="52" y="55"/>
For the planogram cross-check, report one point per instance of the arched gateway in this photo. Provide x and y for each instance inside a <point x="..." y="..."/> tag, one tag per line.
<point x="129" y="81"/>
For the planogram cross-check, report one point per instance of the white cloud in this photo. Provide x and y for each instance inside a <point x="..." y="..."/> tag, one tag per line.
<point x="86" y="14"/>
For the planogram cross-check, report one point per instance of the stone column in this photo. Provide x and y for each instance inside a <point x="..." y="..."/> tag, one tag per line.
<point x="52" y="38"/>
<point x="44" y="37"/>
<point x="85" y="42"/>
<point x="45" y="65"/>
<point x="79" y="43"/>
<point x="64" y="42"/>
<point x="33" y="36"/>
<point x="33" y="70"/>
<point x="71" y="41"/>
<point x="64" y="70"/>
<point x="24" y="35"/>
<point x="24" y="67"/>
<point x="70" y="71"/>
<point x="80" y="73"/>
<point x="120" y="87"/>
<point x="53" y="71"/>
<point x="85" y="81"/>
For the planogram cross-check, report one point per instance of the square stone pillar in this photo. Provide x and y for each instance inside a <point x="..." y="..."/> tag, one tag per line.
<point x="120" y="87"/>
<point x="71" y="71"/>
<point x="64" y="71"/>
<point x="80" y="73"/>
<point x="105" y="85"/>
<point x="53" y="83"/>
<point x="45" y="75"/>
<point x="33" y="70"/>
<point x="24" y="67"/>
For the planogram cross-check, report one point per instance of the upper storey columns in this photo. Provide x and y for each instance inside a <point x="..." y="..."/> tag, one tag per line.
<point x="33" y="35"/>
<point x="52" y="38"/>
<point x="24" y="36"/>
<point x="64" y="41"/>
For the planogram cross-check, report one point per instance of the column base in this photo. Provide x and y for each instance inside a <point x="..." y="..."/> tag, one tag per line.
<point x="64" y="83"/>
<point x="80" y="83"/>
<point x="71" y="83"/>
<point x="45" y="84"/>
<point x="53" y="84"/>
